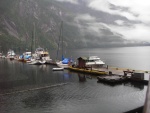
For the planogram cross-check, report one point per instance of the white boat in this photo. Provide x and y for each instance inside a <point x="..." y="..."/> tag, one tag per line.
<point x="11" y="54"/>
<point x="58" y="69"/>
<point x="37" y="62"/>
<point x="94" y="61"/>
<point x="62" y="65"/>
<point x="39" y="57"/>
<point x="1" y="55"/>
<point x="43" y="55"/>
<point x="65" y="61"/>
<point x="27" y="56"/>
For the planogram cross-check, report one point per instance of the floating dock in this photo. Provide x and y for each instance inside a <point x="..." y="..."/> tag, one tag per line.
<point x="113" y="76"/>
<point x="88" y="71"/>
<point x="112" y="79"/>
<point x="147" y="100"/>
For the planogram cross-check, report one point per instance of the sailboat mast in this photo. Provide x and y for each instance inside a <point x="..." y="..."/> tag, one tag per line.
<point x="62" y="39"/>
<point x="33" y="34"/>
<point x="60" y="35"/>
<point x="58" y="43"/>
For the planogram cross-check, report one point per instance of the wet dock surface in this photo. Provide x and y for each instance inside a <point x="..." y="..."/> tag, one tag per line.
<point x="120" y="71"/>
<point x="147" y="100"/>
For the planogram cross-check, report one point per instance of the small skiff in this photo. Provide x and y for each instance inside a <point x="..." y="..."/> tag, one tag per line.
<point x="58" y="69"/>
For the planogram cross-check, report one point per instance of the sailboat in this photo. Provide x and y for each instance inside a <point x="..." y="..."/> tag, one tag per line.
<point x="37" y="58"/>
<point x="64" y="63"/>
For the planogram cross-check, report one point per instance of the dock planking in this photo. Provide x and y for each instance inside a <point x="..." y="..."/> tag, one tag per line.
<point x="147" y="100"/>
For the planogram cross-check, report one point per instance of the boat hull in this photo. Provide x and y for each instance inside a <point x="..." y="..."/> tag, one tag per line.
<point x="37" y="62"/>
<point x="58" y="69"/>
<point x="61" y="65"/>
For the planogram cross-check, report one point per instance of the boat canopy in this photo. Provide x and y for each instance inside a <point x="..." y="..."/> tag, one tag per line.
<point x="21" y="56"/>
<point x="66" y="61"/>
<point x="27" y="57"/>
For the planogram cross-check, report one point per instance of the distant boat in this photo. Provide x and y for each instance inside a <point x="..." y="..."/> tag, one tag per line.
<point x="58" y="69"/>
<point x="65" y="61"/>
<point x="44" y="55"/>
<point x="37" y="62"/>
<point x="40" y="57"/>
<point x="11" y="54"/>
<point x="26" y="56"/>
<point x="1" y="55"/>
<point x="94" y="61"/>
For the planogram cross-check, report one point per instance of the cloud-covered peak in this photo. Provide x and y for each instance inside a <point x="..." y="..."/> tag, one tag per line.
<point x="133" y="17"/>
<point x="137" y="10"/>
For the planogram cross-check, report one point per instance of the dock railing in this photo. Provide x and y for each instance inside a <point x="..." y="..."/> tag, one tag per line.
<point x="147" y="100"/>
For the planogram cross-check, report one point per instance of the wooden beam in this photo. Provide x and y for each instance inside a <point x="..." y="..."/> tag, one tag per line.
<point x="147" y="100"/>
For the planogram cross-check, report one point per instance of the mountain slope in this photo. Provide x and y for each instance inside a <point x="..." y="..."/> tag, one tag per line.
<point x="17" y="19"/>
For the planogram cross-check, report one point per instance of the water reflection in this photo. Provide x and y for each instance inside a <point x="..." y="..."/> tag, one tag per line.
<point x="82" y="77"/>
<point x="135" y="84"/>
<point x="44" y="90"/>
<point x="129" y="84"/>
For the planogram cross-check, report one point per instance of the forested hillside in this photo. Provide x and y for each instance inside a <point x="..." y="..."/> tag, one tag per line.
<point x="23" y="22"/>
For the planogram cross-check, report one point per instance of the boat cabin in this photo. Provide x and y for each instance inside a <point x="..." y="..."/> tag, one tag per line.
<point x="82" y="62"/>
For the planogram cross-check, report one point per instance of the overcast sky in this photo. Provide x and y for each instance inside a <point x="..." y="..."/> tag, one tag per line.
<point x="136" y="26"/>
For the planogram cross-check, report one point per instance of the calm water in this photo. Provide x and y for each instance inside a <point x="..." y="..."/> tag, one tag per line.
<point x="37" y="89"/>
<point x="126" y="57"/>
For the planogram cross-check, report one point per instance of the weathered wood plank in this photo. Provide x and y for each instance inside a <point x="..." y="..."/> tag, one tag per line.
<point x="147" y="100"/>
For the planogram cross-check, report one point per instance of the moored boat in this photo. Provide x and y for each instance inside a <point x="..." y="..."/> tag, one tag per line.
<point x="40" y="57"/>
<point x="37" y="62"/>
<point x="58" y="69"/>
<point x="94" y="61"/>
<point x="11" y="54"/>
<point x="65" y="63"/>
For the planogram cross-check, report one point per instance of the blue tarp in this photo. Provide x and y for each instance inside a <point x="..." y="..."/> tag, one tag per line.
<point x="65" y="61"/>
<point x="27" y="57"/>
<point x="21" y="56"/>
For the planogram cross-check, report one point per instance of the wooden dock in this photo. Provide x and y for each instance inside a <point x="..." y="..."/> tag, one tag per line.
<point x="88" y="71"/>
<point x="112" y="79"/>
<point x="147" y="100"/>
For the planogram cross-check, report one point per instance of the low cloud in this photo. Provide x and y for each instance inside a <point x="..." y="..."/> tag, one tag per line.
<point x="88" y="24"/>
<point x="119" y="22"/>
<point x="138" y="32"/>
<point x="71" y="1"/>
<point x="114" y="18"/>
<point x="85" y="17"/>
<point x="137" y="10"/>
<point x="136" y="27"/>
